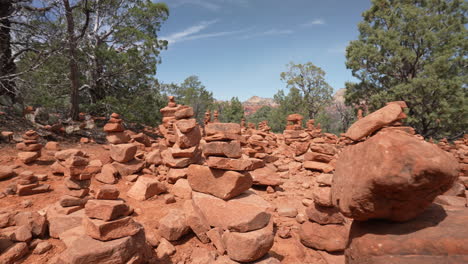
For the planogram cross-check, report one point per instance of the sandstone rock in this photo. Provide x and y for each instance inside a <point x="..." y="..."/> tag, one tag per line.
<point x="213" y="129"/>
<point x="42" y="247"/>
<point x="146" y="187"/>
<point x="170" y="161"/>
<point x="65" y="154"/>
<point x="106" y="210"/>
<point x="154" y="157"/>
<point x="314" y="156"/>
<point x="234" y="164"/>
<point x="224" y="149"/>
<point x="220" y="183"/>
<point x="52" y="145"/>
<point x="182" y="189"/>
<point x="183" y="112"/>
<point x="123" y="152"/>
<point x="62" y="223"/>
<point x="189" y="139"/>
<point x="105" y="231"/>
<point x="113" y="127"/>
<point x="250" y="246"/>
<point x="450" y="200"/>
<point x="34" y="221"/>
<point x="215" y="236"/>
<point x="175" y="174"/>
<point x="107" y="174"/>
<point x="374" y="121"/>
<point x="118" y="137"/>
<point x="225" y="214"/>
<point x="266" y="176"/>
<point x="322" y="196"/>
<point x="108" y="193"/>
<point x="165" y="249"/>
<point x="393" y="176"/>
<point x="196" y="221"/>
<point x="186" y="125"/>
<point x="202" y="256"/>
<point x="318" y="166"/>
<point x="287" y="211"/>
<point x="17" y="233"/>
<point x="6" y="172"/>
<point x="129" y="168"/>
<point x="68" y="201"/>
<point x="331" y="237"/>
<point x="324" y="179"/>
<point x="438" y="235"/>
<point x="13" y="252"/>
<point x="84" y="250"/>
<point x="324" y="215"/>
<point x="173" y="226"/>
<point x="28" y="157"/>
<point x="75" y="184"/>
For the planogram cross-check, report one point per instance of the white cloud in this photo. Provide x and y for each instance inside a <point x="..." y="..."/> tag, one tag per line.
<point x="190" y="33"/>
<point x="271" y="32"/>
<point x="314" y="22"/>
<point x="213" y="5"/>
<point x="184" y="34"/>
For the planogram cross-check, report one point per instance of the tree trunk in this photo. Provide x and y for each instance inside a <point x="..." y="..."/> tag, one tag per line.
<point x="73" y="65"/>
<point x="7" y="64"/>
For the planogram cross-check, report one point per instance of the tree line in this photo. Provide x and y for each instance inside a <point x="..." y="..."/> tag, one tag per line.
<point x="101" y="56"/>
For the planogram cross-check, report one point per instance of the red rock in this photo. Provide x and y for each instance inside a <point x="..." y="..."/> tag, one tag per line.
<point x="220" y="128"/>
<point x="105" y="231"/>
<point x="146" y="187"/>
<point x="75" y="161"/>
<point x="35" y="222"/>
<point x="438" y="235"/>
<point x="326" y="149"/>
<point x="118" y="137"/>
<point x="220" y="183"/>
<point x="392" y="176"/>
<point x="182" y="189"/>
<point x="129" y="168"/>
<point x="32" y="189"/>
<point x="42" y="247"/>
<point x="17" y="233"/>
<point x="186" y="125"/>
<point x="221" y="148"/>
<point x="143" y="139"/>
<point x="250" y="246"/>
<point x="175" y="174"/>
<point x="324" y="215"/>
<point x="196" y="221"/>
<point x="123" y="152"/>
<point x="184" y="153"/>
<point x="113" y="127"/>
<point x="450" y="200"/>
<point x="165" y="249"/>
<point x="14" y="252"/>
<point x="154" y="157"/>
<point x="173" y="225"/>
<point x="324" y="179"/>
<point x="106" y="210"/>
<point x="330" y="237"/>
<point x="184" y="112"/>
<point x="107" y="174"/>
<point x="322" y="196"/>
<point x="28" y="157"/>
<point x="318" y="166"/>
<point x="234" y="164"/>
<point x="374" y="121"/>
<point x="189" y="139"/>
<point x="314" y="156"/>
<point x="225" y="214"/>
<point x="83" y="249"/>
<point x="266" y="176"/>
<point x="172" y="162"/>
<point x="73" y="184"/>
<point x="65" y="154"/>
<point x="215" y="235"/>
<point x="108" y="193"/>
<point x="59" y="223"/>
<point x="6" y="172"/>
<point x="68" y="201"/>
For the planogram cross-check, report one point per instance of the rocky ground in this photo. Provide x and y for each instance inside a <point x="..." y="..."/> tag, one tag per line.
<point x="230" y="193"/>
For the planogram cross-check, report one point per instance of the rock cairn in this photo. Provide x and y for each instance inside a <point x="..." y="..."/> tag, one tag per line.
<point x="28" y="184"/>
<point x="295" y="136"/>
<point x="115" y="130"/>
<point x="30" y="147"/>
<point x="389" y="173"/>
<point x="220" y="192"/>
<point x="106" y="233"/>
<point x="78" y="171"/>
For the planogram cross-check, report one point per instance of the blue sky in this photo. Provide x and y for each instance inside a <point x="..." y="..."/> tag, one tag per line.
<point x="240" y="47"/>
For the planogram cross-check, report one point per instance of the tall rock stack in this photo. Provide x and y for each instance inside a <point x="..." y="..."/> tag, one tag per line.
<point x="116" y="131"/>
<point x="186" y="136"/>
<point x="30" y="147"/>
<point x="167" y="126"/>
<point x="220" y="193"/>
<point x="394" y="175"/>
<point x="295" y="136"/>
<point x="108" y="233"/>
<point x="78" y="171"/>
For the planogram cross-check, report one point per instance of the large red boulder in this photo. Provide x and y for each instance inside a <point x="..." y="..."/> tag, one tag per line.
<point x="439" y="235"/>
<point x="392" y="175"/>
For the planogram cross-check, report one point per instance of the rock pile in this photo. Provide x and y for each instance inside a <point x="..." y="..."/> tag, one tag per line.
<point x="394" y="175"/>
<point x="220" y="192"/>
<point x="28" y="184"/>
<point x="108" y="233"/>
<point x="116" y="131"/>
<point x="78" y="171"/>
<point x="30" y="147"/>
<point x="295" y="135"/>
